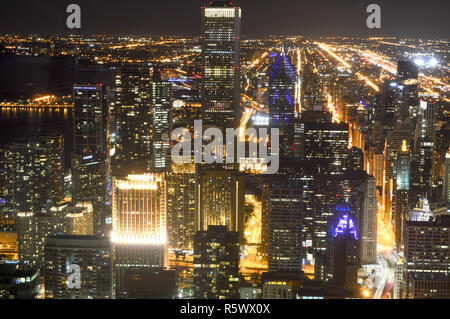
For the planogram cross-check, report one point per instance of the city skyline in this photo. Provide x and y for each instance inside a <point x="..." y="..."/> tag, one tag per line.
<point x="347" y="197"/>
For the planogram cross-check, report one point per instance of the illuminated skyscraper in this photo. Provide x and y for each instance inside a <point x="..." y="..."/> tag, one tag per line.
<point x="55" y="149"/>
<point x="393" y="143"/>
<point x="162" y="104"/>
<point x="132" y="120"/>
<point x="285" y="226"/>
<point x="345" y="250"/>
<point x="139" y="209"/>
<point x="79" y="219"/>
<point x="139" y="226"/>
<point x="221" y="22"/>
<point x="27" y="171"/>
<point x="282" y="80"/>
<point x="181" y="190"/>
<point x="401" y="189"/>
<point x="424" y="141"/>
<point x="220" y="200"/>
<point x="89" y="158"/>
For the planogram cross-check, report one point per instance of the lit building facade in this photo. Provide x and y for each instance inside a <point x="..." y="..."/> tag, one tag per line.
<point x="139" y="235"/>
<point x="327" y="141"/>
<point x="426" y="258"/>
<point x="90" y="154"/>
<point x="281" y="92"/>
<point x="161" y="92"/>
<point x="181" y="208"/>
<point x="285" y="221"/>
<point x="220" y="200"/>
<point x="345" y="251"/>
<point x="220" y="60"/>
<point x="79" y="219"/>
<point x="131" y="121"/>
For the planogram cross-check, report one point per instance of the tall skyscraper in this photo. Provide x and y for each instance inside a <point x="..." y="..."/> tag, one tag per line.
<point x="282" y="80"/>
<point x="326" y="191"/>
<point x="220" y="200"/>
<point x="90" y="120"/>
<point x="55" y="150"/>
<point x="424" y="141"/>
<point x="139" y="234"/>
<point x="389" y="105"/>
<point x="360" y="193"/>
<point x="401" y="190"/>
<point x="161" y="104"/>
<point x="285" y="226"/>
<point x="393" y="143"/>
<point x="90" y="155"/>
<point x="220" y="38"/>
<point x="216" y="263"/>
<point x="181" y="209"/>
<point x="345" y="251"/>
<point x="28" y="170"/>
<point x="132" y="121"/>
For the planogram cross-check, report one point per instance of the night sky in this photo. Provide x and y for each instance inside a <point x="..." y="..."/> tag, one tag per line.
<point x="410" y="18"/>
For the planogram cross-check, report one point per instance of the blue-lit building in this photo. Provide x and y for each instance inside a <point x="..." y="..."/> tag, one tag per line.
<point x="282" y="79"/>
<point x="345" y="248"/>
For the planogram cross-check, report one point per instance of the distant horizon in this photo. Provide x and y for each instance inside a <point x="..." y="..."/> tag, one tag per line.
<point x="243" y="36"/>
<point x="401" y="18"/>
